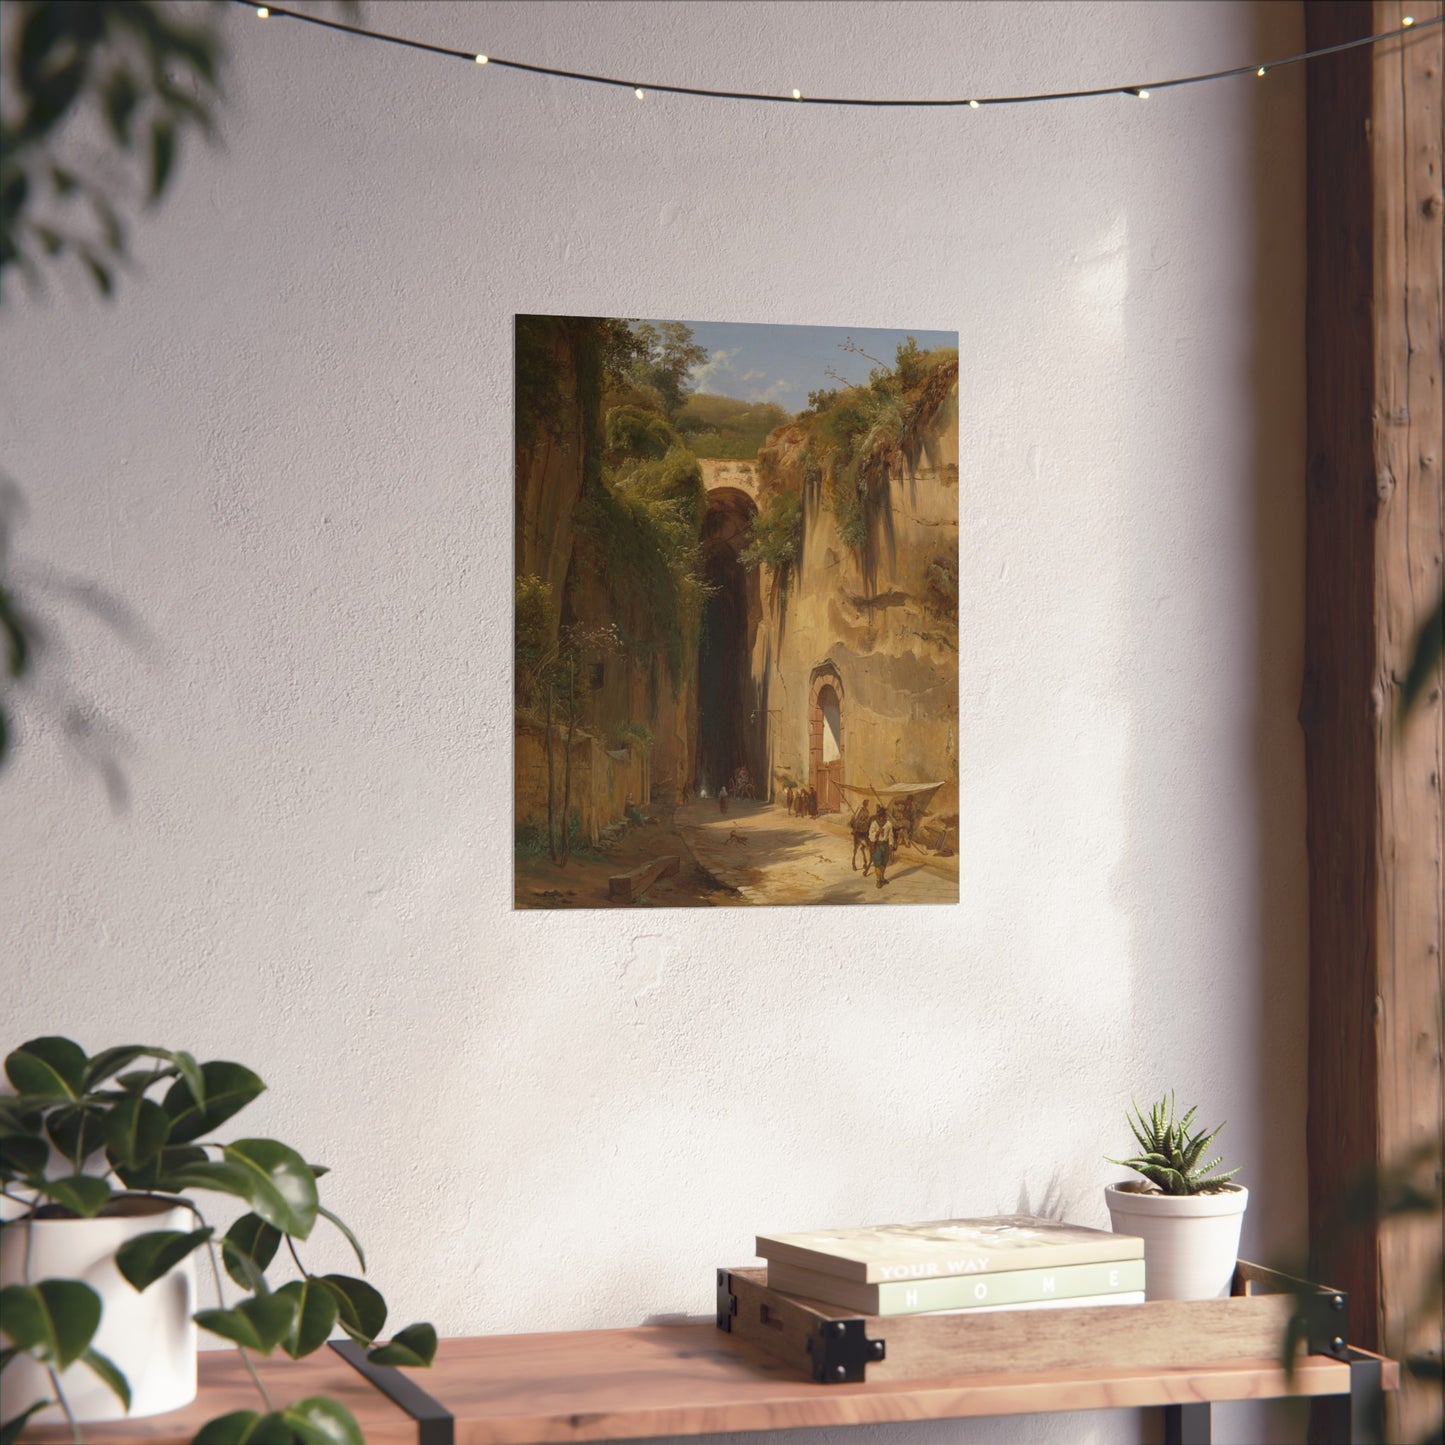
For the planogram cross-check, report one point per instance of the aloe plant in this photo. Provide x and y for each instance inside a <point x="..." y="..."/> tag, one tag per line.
<point x="81" y="1131"/>
<point x="1170" y="1153"/>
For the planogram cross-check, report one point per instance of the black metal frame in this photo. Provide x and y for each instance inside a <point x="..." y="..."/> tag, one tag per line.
<point x="434" y="1422"/>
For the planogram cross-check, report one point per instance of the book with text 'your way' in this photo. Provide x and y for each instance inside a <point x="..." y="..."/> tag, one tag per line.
<point x="884" y="1253"/>
<point x="962" y="1292"/>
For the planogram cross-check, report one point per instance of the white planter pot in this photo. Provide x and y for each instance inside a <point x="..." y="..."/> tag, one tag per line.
<point x="1191" y="1241"/>
<point x="150" y="1336"/>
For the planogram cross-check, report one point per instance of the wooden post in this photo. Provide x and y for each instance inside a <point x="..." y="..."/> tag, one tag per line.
<point x="1374" y="543"/>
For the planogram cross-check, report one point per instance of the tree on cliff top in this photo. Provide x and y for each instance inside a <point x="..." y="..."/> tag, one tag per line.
<point x="667" y="355"/>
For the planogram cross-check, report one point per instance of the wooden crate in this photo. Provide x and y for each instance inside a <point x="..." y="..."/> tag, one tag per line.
<point x="836" y="1345"/>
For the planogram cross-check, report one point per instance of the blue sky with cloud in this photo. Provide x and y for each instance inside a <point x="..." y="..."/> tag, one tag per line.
<point x="783" y="364"/>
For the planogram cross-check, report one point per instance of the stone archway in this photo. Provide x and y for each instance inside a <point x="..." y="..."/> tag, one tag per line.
<point x="825" y="737"/>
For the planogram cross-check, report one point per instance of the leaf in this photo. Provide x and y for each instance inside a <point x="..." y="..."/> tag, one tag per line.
<point x="351" y="1239"/>
<point x="149" y="1257"/>
<point x="259" y="1323"/>
<point x="83" y="1194"/>
<point x="100" y="274"/>
<point x="1429" y="648"/>
<point x="248" y="1248"/>
<point x="76" y="1131"/>
<point x="121" y="96"/>
<point x="11" y="1430"/>
<point x="55" y="1320"/>
<point x="21" y="1157"/>
<point x="319" y="1421"/>
<point x="415" y="1345"/>
<point x="245" y="1427"/>
<point x="111" y="1061"/>
<point x="49" y="1065"/>
<point x="106" y="1368"/>
<point x="163" y="156"/>
<point x="361" y="1309"/>
<point x="316" y="1311"/>
<point x="282" y="1187"/>
<point x="156" y="1174"/>
<point x="227" y="1088"/>
<point x="136" y="1131"/>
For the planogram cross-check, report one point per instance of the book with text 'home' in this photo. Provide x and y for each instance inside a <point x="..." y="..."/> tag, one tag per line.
<point x="962" y="1292"/>
<point x="884" y="1253"/>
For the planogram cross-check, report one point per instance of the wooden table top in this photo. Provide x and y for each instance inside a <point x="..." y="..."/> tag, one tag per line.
<point x="686" y="1379"/>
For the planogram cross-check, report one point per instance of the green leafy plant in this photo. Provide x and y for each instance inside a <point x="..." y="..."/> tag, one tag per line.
<point x="82" y="1134"/>
<point x="1171" y="1154"/>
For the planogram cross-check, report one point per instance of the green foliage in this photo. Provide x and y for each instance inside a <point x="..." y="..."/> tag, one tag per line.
<point x="723" y="426"/>
<point x="148" y="74"/>
<point x="637" y="736"/>
<point x="1425" y="657"/>
<point x="99" y="1114"/>
<point x="633" y="431"/>
<point x="664" y="358"/>
<point x="1171" y="1156"/>
<point x="777" y="532"/>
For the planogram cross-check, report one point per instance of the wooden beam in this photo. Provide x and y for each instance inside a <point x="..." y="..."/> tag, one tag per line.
<point x="629" y="887"/>
<point x="1374" y="544"/>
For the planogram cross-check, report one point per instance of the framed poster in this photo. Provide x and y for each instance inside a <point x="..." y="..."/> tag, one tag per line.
<point x="736" y="626"/>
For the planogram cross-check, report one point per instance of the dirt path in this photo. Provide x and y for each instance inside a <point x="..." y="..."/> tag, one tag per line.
<point x="769" y="857"/>
<point x="539" y="883"/>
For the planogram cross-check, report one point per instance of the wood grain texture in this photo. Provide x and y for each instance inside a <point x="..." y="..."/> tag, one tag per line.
<point x="1373" y="569"/>
<point x="695" y="1379"/>
<point x="1156" y="1335"/>
<point x="225" y="1386"/>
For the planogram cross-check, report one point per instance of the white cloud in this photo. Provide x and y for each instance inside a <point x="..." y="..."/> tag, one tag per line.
<point x="752" y="376"/>
<point x="779" y="391"/>
<point x="718" y="364"/>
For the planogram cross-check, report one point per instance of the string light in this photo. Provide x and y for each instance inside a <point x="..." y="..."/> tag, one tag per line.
<point x="1141" y="91"/>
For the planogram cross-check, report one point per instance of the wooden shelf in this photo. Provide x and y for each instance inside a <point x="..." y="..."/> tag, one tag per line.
<point x="690" y="1380"/>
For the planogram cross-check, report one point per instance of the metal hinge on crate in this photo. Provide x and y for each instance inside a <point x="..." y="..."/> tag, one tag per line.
<point x="727" y="1301"/>
<point x="841" y="1352"/>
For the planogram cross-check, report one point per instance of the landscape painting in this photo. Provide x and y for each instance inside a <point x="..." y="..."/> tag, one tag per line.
<point x="736" y="626"/>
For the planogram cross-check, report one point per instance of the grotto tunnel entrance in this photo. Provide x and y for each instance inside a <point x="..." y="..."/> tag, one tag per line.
<point x="728" y="737"/>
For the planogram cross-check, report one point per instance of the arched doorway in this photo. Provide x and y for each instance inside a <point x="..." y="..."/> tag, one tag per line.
<point x="825" y="738"/>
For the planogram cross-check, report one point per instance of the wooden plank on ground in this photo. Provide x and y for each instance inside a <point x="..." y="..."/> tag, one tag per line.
<point x="629" y="887"/>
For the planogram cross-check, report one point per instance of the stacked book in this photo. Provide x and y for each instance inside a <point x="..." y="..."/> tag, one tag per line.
<point x="1013" y="1261"/>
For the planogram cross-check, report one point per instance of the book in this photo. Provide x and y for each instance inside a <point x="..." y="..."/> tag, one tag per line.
<point x="961" y="1292"/>
<point x="942" y="1247"/>
<point x="1088" y="1301"/>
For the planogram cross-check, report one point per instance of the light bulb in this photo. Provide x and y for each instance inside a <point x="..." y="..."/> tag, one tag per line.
<point x="797" y="95"/>
<point x="1260" y="72"/>
<point x="262" y="12"/>
<point x="482" y="59"/>
<point x="973" y="105"/>
<point x="1142" y="94"/>
<point x="638" y="92"/>
<point x="1408" y="21"/>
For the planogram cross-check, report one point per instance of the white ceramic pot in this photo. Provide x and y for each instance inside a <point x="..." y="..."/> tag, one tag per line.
<point x="1191" y="1241"/>
<point x="150" y="1336"/>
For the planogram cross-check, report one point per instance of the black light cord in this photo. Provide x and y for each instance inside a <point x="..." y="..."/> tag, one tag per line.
<point x="641" y="88"/>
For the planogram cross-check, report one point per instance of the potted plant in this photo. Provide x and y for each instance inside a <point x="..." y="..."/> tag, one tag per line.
<point x="102" y="1230"/>
<point x="1187" y="1213"/>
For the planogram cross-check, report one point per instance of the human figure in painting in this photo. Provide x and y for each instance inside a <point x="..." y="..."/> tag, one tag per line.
<point x="722" y="799"/>
<point x="880" y="835"/>
<point x="858" y="826"/>
<point x="789" y="796"/>
<point x="812" y="801"/>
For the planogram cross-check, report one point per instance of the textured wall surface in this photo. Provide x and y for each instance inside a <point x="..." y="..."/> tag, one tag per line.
<point x="286" y="448"/>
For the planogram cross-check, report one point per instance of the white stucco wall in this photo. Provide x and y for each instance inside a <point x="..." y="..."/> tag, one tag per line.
<point x="286" y="448"/>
